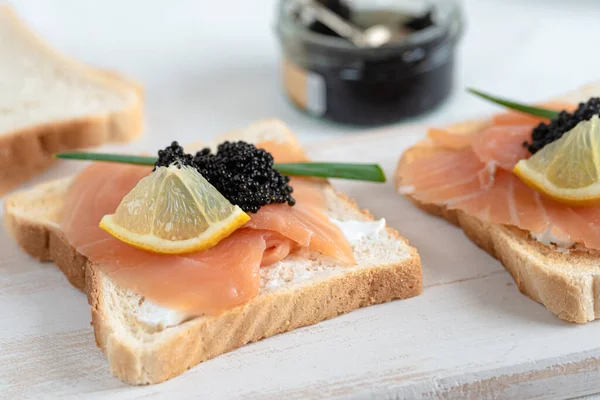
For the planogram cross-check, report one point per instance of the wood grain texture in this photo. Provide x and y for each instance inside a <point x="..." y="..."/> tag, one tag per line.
<point x="471" y="334"/>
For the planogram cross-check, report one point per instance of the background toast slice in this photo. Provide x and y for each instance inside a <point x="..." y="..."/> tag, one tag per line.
<point x="51" y="103"/>
<point x="292" y="294"/>
<point x="566" y="282"/>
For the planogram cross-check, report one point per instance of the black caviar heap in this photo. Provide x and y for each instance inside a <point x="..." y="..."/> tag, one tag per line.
<point x="243" y="173"/>
<point x="172" y="154"/>
<point x="545" y="134"/>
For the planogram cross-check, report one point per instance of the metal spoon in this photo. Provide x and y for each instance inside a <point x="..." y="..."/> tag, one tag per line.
<point x="375" y="36"/>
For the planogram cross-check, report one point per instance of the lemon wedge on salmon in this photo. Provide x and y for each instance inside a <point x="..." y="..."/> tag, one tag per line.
<point x="568" y="169"/>
<point x="174" y="210"/>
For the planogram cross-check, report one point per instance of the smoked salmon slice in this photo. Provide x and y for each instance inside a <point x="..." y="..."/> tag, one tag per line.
<point x="457" y="136"/>
<point x="502" y="145"/>
<point x="478" y="180"/>
<point x="303" y="225"/>
<point x="208" y="282"/>
<point x="450" y="139"/>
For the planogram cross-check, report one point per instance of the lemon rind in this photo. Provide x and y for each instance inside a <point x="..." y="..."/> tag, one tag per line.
<point x="149" y="242"/>
<point x="586" y="196"/>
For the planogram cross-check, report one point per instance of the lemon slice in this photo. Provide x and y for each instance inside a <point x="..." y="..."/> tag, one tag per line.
<point x="173" y="211"/>
<point x="568" y="169"/>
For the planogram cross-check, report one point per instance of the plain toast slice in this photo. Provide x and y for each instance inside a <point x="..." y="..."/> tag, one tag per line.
<point x="567" y="282"/>
<point x="295" y="292"/>
<point x="50" y="103"/>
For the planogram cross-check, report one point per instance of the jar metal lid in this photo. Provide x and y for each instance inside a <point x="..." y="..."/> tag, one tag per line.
<point x="294" y="36"/>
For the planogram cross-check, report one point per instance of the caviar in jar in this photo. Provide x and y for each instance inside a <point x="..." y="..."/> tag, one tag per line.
<point x="327" y="76"/>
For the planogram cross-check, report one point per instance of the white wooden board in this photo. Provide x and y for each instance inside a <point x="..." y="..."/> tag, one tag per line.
<point x="471" y="334"/>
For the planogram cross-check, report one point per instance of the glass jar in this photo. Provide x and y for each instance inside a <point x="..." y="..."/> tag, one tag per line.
<point x="329" y="77"/>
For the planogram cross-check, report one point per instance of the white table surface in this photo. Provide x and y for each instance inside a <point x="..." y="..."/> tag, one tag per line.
<point x="470" y="334"/>
<point x="210" y="66"/>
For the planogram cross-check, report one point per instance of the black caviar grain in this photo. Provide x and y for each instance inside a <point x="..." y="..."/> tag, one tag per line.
<point x="173" y="154"/>
<point x="244" y="174"/>
<point x="241" y="172"/>
<point x="545" y="134"/>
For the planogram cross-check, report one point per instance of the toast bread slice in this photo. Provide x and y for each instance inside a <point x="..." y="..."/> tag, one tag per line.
<point x="566" y="282"/>
<point x="294" y="293"/>
<point x="51" y="103"/>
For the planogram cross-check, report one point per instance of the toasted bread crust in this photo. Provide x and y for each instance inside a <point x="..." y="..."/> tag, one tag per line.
<point x="203" y="338"/>
<point x="199" y="340"/>
<point x="28" y="152"/>
<point x="266" y="315"/>
<point x="45" y="241"/>
<point x="562" y="281"/>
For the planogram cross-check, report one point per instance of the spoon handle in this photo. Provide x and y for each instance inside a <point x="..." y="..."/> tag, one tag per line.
<point x="336" y="23"/>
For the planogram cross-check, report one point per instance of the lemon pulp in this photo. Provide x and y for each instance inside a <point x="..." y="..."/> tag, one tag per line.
<point x="174" y="210"/>
<point x="568" y="169"/>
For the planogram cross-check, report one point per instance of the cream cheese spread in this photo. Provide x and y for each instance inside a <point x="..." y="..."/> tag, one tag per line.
<point x="354" y="231"/>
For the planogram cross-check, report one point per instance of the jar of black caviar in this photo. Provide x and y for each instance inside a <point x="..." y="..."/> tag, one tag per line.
<point x="328" y="76"/>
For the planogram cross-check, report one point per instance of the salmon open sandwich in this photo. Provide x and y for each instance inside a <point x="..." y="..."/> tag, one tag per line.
<point x="525" y="186"/>
<point x="197" y="255"/>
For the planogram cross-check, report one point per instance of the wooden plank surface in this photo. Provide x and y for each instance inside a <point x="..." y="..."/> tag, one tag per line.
<point x="471" y="334"/>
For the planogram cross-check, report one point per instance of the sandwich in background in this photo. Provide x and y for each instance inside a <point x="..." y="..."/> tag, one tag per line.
<point x="525" y="189"/>
<point x="51" y="103"/>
